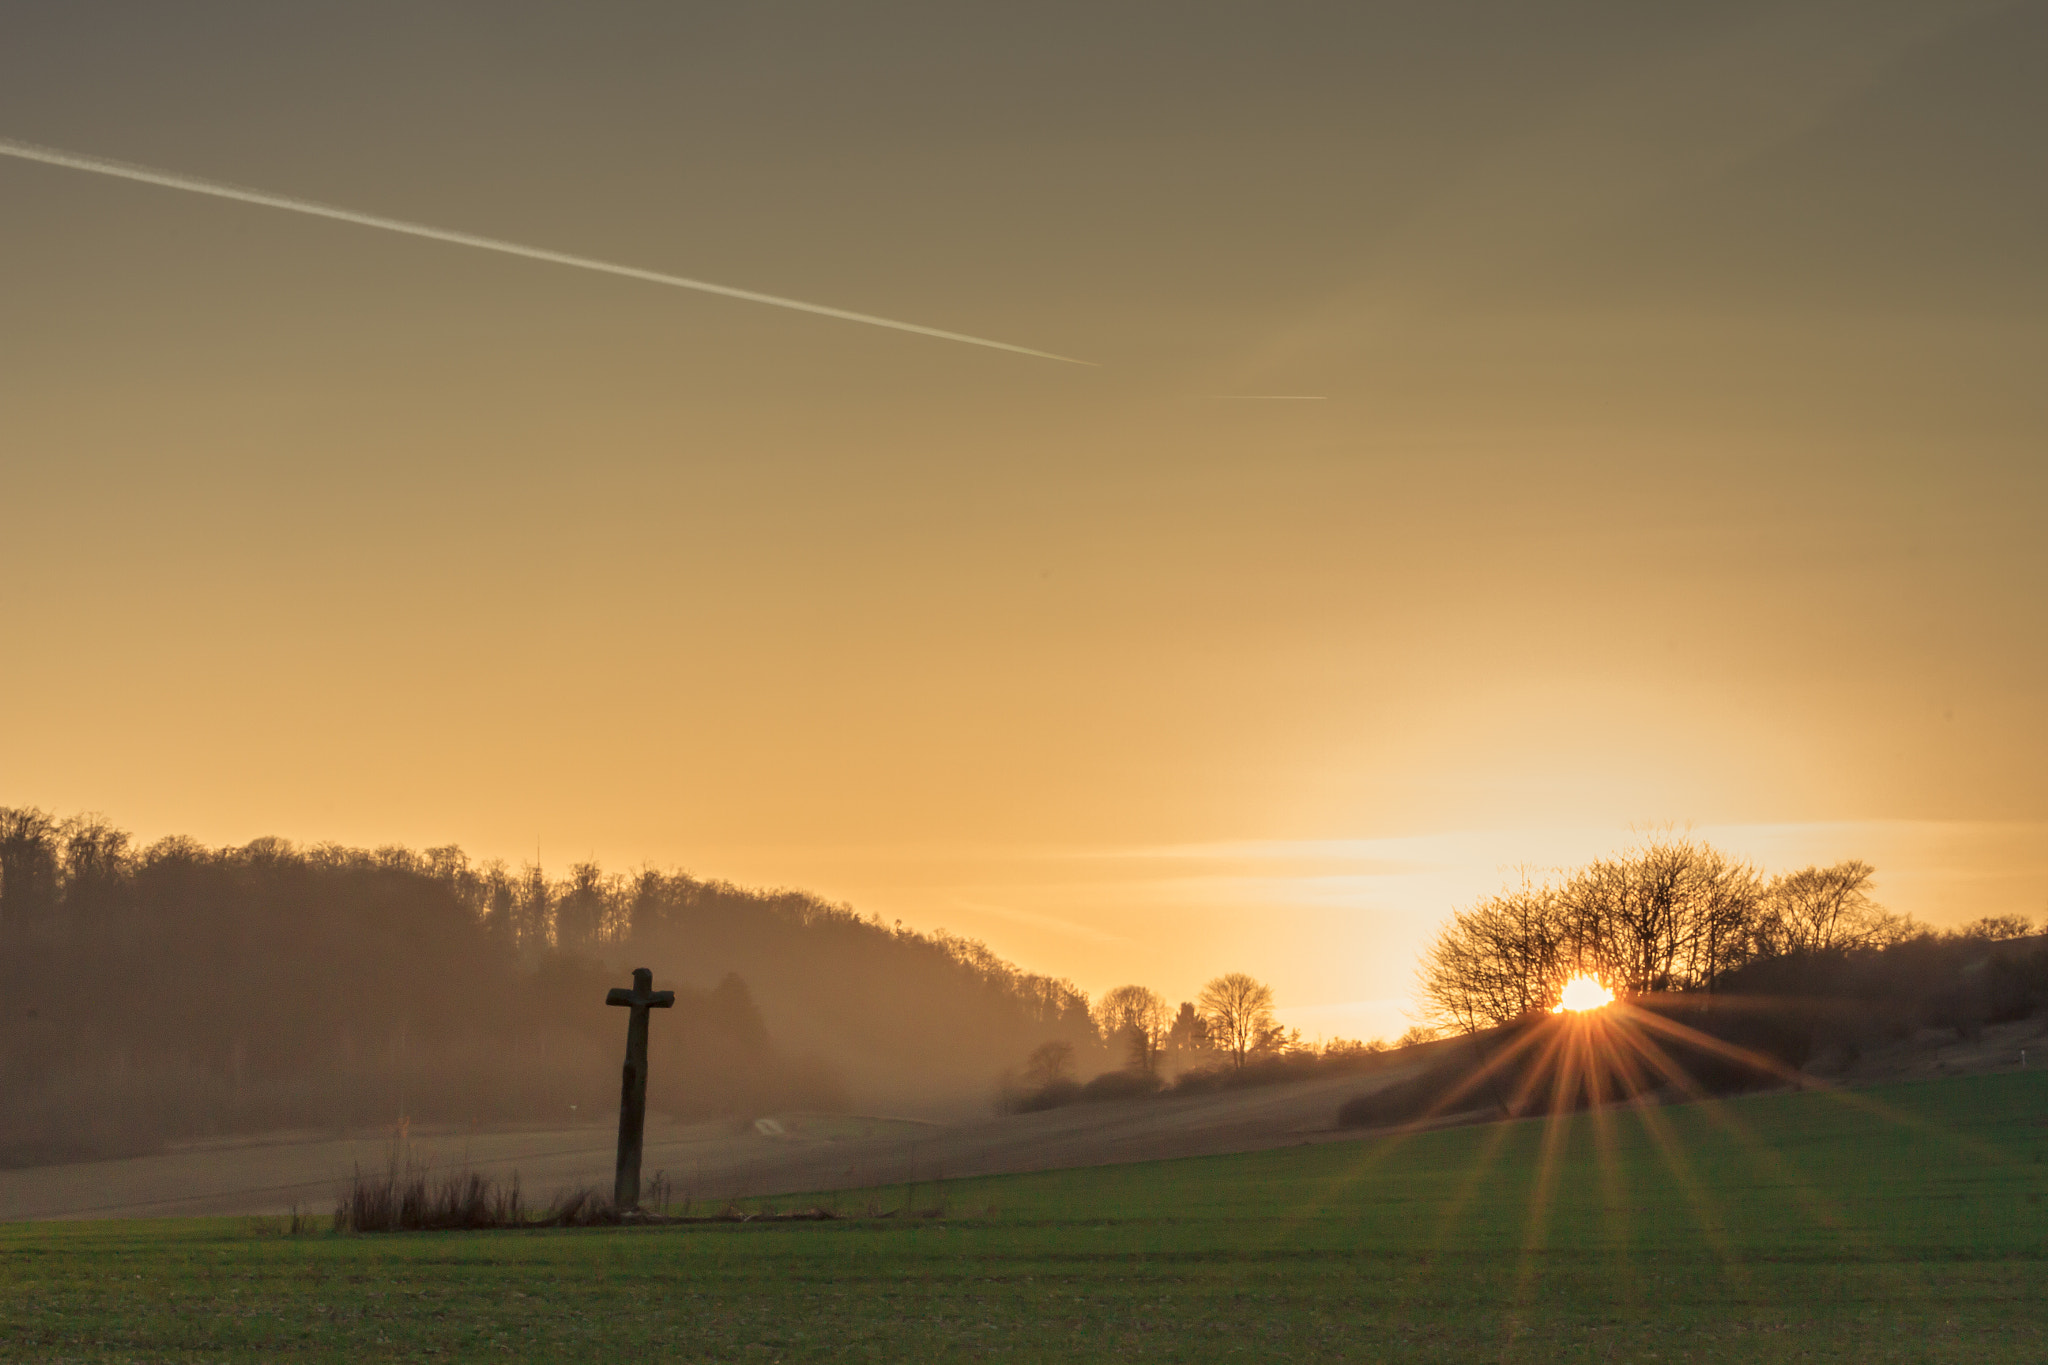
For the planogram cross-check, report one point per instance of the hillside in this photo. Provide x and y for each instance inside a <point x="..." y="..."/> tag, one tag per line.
<point x="181" y="992"/>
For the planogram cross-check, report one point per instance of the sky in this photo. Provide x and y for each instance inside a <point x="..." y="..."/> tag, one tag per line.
<point x="1509" y="428"/>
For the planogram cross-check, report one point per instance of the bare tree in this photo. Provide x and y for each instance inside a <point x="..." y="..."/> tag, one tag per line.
<point x="533" y="909"/>
<point x="1239" y="1012"/>
<point x="1825" y="909"/>
<point x="1138" y="1018"/>
<point x="496" y="898"/>
<point x="1502" y="959"/>
<point x="30" y="874"/>
<point x="1048" y="1064"/>
<point x="1671" y="915"/>
<point x="1998" y="928"/>
<point x="96" y="866"/>
<point x="591" y="908"/>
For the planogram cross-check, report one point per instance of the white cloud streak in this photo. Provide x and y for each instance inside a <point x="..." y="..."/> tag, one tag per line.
<point x="51" y="156"/>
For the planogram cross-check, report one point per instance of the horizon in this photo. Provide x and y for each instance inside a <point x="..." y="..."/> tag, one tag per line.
<point x="1675" y="458"/>
<point x="1933" y="877"/>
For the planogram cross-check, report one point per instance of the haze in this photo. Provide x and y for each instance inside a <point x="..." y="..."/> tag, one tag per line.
<point x="1678" y="456"/>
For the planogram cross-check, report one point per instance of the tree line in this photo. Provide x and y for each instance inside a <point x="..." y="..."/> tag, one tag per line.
<point x="175" y="990"/>
<point x="1228" y="1035"/>
<point x="1673" y="915"/>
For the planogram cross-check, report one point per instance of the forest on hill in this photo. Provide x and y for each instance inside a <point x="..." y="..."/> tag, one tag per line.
<point x="174" y="991"/>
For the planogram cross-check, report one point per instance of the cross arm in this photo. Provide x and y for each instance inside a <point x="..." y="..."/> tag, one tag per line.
<point x="655" y="1000"/>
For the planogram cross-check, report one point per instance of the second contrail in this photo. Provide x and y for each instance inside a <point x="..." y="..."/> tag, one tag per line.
<point x="51" y="156"/>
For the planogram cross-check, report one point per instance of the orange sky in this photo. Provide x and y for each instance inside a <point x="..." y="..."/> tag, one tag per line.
<point x="1676" y="453"/>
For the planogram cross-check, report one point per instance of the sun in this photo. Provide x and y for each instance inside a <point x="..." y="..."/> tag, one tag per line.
<point x="1583" y="993"/>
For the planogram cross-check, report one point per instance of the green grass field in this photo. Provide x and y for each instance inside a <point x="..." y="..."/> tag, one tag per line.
<point x="1905" y="1223"/>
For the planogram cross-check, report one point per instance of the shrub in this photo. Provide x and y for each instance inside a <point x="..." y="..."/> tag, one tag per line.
<point x="1120" y="1085"/>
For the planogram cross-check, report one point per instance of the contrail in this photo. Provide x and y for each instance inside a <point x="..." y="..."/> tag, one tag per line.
<point x="51" y="156"/>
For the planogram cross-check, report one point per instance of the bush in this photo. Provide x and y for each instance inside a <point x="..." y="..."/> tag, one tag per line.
<point x="1052" y="1095"/>
<point x="1120" y="1085"/>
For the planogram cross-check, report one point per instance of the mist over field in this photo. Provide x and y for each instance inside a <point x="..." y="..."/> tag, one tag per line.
<point x="178" y="991"/>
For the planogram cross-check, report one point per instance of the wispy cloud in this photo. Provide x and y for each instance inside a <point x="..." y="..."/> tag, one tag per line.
<point x="1041" y="921"/>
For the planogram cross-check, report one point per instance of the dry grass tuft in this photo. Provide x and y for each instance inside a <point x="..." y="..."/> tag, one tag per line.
<point x="410" y="1197"/>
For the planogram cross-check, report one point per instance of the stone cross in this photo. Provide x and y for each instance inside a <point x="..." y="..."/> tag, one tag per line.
<point x="633" y="1091"/>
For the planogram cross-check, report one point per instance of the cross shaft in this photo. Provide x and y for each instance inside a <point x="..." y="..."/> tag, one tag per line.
<point x="633" y="1084"/>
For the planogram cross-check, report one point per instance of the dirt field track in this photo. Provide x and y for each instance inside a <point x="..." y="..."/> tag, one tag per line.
<point x="789" y="1153"/>
<point x="771" y="1154"/>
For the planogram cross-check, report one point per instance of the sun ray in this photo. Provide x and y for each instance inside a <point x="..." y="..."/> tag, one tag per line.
<point x="1401" y="1134"/>
<point x="1500" y="1133"/>
<point x="1613" y="1191"/>
<point x="1605" y="1059"/>
<point x="1499" y="1062"/>
<point x="1760" y="1061"/>
<point x="1373" y="1157"/>
<point x="1564" y="1080"/>
<point x="1774" y="1167"/>
<point x="1514" y="1108"/>
<point x="1693" y="1037"/>
<point x="1658" y="1129"/>
<point x="1449" y="1213"/>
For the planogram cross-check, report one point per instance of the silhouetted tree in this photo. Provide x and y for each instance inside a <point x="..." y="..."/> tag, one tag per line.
<point x="1824" y="909"/>
<point x="498" y="903"/>
<point x="28" y="870"/>
<point x="1239" y="1012"/>
<point x="534" y="910"/>
<point x="1187" y="1039"/>
<point x="587" y="912"/>
<point x="1998" y="928"/>
<point x="1505" y="957"/>
<point x="1670" y="915"/>
<point x="1136" y="1018"/>
<point x="1048" y="1065"/>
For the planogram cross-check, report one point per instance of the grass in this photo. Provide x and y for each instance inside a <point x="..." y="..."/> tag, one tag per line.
<point x="1905" y="1223"/>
